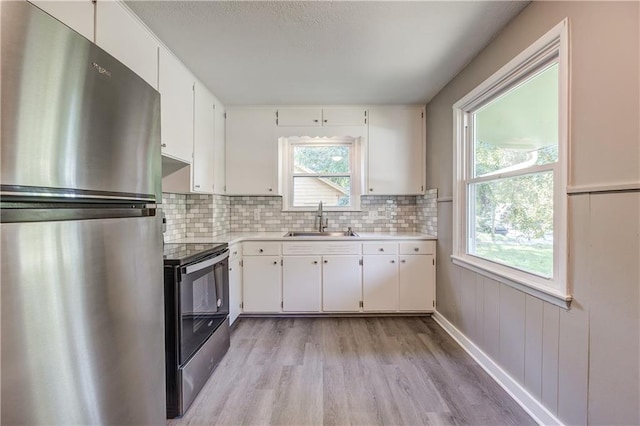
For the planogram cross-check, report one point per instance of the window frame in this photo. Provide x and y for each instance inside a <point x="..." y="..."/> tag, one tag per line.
<point x="288" y="173"/>
<point x="553" y="47"/>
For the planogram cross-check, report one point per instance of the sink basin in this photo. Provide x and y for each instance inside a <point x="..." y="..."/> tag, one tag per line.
<point x="320" y="234"/>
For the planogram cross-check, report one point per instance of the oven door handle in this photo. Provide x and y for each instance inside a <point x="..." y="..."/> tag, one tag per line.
<point x="201" y="265"/>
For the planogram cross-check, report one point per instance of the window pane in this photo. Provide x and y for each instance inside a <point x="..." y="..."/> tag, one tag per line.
<point x="513" y="222"/>
<point x="321" y="159"/>
<point x="520" y="128"/>
<point x="332" y="191"/>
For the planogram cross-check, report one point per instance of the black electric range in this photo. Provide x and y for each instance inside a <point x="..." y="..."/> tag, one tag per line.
<point x="182" y="253"/>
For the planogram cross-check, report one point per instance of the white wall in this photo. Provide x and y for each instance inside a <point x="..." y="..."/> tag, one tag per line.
<point x="582" y="363"/>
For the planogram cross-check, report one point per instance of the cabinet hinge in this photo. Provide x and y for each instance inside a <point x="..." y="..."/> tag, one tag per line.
<point x="225" y="115"/>
<point x="365" y="121"/>
<point x="225" y="188"/>
<point x="365" y="112"/>
<point x="433" y="261"/>
<point x="276" y="121"/>
<point x="360" y="262"/>
<point x="422" y="115"/>
<point x="360" y="304"/>
<point x="193" y="87"/>
<point x="281" y="304"/>
<point x="421" y="187"/>
<point x="241" y="305"/>
<point x="242" y="263"/>
<point x="281" y="262"/>
<point x="434" y="303"/>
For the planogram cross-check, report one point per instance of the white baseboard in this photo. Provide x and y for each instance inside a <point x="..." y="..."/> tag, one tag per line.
<point x="528" y="403"/>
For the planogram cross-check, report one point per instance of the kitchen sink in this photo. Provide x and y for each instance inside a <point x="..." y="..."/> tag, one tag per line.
<point x="320" y="234"/>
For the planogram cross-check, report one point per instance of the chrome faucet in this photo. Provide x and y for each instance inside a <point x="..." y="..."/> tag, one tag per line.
<point x="322" y="224"/>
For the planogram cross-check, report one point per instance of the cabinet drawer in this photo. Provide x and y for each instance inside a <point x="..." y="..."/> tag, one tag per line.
<point x="380" y="248"/>
<point x="418" y="247"/>
<point x="320" y="248"/>
<point x="261" y="248"/>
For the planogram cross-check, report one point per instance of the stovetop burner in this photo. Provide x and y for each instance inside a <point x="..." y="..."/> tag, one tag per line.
<point x="181" y="253"/>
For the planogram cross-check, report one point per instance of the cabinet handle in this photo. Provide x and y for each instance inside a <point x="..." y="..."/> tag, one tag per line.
<point x="325" y="121"/>
<point x="403" y="261"/>
<point x="270" y="189"/>
<point x="260" y="251"/>
<point x="230" y="269"/>
<point x="164" y="145"/>
<point x="315" y="262"/>
<point x="275" y="262"/>
<point x="380" y="249"/>
<point x="315" y="121"/>
<point x="393" y="261"/>
<point x="326" y="261"/>
<point x="370" y="189"/>
<point x="197" y="186"/>
<point x="416" y="249"/>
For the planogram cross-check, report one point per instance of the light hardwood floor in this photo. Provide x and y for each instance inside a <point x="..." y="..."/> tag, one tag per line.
<point x="348" y="371"/>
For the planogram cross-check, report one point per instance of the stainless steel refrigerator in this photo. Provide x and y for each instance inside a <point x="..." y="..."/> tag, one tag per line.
<point x="81" y="242"/>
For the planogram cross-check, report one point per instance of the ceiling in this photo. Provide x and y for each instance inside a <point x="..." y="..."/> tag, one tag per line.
<point x="325" y="52"/>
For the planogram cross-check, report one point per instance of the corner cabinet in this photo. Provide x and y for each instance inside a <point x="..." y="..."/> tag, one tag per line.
<point x="120" y="32"/>
<point x="396" y="151"/>
<point x="251" y="151"/>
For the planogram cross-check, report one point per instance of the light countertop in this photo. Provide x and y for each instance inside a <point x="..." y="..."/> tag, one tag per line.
<point x="236" y="237"/>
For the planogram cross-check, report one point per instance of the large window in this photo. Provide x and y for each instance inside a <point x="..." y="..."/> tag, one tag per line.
<point x="320" y="170"/>
<point x="510" y="201"/>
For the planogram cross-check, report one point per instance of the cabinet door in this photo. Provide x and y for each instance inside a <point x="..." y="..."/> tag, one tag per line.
<point x="77" y="15"/>
<point x="251" y="151"/>
<point x="341" y="283"/>
<point x="261" y="279"/>
<point x="219" y="150"/>
<point x="344" y="116"/>
<point x="203" y="140"/>
<point x="301" y="278"/>
<point x="380" y="283"/>
<point x="417" y="283"/>
<point x="396" y="151"/>
<point x="302" y="117"/>
<point x="235" y="289"/>
<point x="176" y="86"/>
<point x="119" y="33"/>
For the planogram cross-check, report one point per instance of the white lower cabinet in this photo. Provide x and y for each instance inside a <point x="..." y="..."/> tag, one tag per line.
<point x="417" y="282"/>
<point x="262" y="279"/>
<point x="380" y="283"/>
<point x="301" y="283"/>
<point x="341" y="283"/>
<point x="235" y="289"/>
<point x="334" y="277"/>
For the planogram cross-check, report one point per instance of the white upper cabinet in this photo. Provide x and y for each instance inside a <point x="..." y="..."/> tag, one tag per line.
<point x="120" y="33"/>
<point x="251" y="151"/>
<point x="300" y="117"/>
<point x="176" y="86"/>
<point x="314" y="117"/>
<point x="344" y="116"/>
<point x="204" y="133"/>
<point x="396" y="151"/>
<point x="219" y="166"/>
<point x="77" y="15"/>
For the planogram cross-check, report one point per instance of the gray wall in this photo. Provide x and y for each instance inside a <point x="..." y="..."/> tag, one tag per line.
<point x="582" y="363"/>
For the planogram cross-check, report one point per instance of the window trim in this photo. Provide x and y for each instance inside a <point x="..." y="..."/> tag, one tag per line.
<point x="552" y="47"/>
<point x="286" y="169"/>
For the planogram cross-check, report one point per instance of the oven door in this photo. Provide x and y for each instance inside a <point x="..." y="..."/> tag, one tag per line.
<point x="204" y="301"/>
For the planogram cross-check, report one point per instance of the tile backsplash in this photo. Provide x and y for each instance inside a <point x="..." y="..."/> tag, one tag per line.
<point x="197" y="215"/>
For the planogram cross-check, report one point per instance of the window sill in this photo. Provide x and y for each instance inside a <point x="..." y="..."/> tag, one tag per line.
<point x="550" y="295"/>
